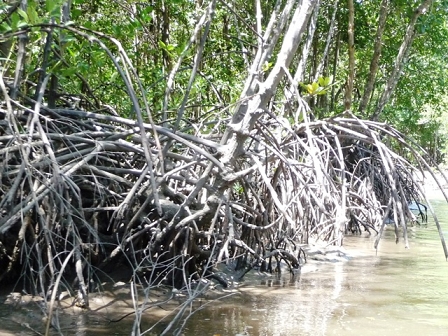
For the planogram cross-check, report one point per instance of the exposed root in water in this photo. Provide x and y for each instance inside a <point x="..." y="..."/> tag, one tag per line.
<point x="82" y="200"/>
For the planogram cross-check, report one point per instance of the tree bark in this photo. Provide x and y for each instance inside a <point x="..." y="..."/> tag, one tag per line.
<point x="5" y="45"/>
<point x="384" y="8"/>
<point x="351" y="56"/>
<point x="165" y="16"/>
<point x="21" y="57"/>
<point x="300" y="73"/>
<point x="243" y="123"/>
<point x="330" y="35"/>
<point x="400" y="60"/>
<point x="335" y="68"/>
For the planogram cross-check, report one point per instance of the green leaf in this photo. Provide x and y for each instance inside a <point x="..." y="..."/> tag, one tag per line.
<point x="23" y="14"/>
<point x="75" y="13"/>
<point x="266" y="66"/>
<point x="322" y="92"/>
<point x="68" y="72"/>
<point x="32" y="14"/>
<point x="321" y="81"/>
<point x="50" y="5"/>
<point x="328" y="81"/>
<point x="53" y="8"/>
<point x="4" y="27"/>
<point x="21" y="24"/>
<point x="113" y="77"/>
<point x="309" y="88"/>
<point x="325" y="81"/>
<point x="15" y="19"/>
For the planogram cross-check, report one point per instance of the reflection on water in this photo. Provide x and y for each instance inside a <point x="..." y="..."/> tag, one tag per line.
<point x="392" y="292"/>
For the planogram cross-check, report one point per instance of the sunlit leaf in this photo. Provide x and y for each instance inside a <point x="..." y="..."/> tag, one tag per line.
<point x="4" y="27"/>
<point x="23" y="14"/>
<point x="32" y="14"/>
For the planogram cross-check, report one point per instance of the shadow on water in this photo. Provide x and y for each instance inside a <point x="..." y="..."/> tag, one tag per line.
<point x="392" y="292"/>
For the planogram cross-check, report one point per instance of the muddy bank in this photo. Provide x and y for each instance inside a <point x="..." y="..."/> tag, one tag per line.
<point x="112" y="307"/>
<point x="112" y="310"/>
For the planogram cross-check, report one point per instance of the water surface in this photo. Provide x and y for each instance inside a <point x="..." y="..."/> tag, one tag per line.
<point x="396" y="291"/>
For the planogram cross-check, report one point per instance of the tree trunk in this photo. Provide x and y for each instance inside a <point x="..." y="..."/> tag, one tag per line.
<point x="351" y="56"/>
<point x="330" y="35"/>
<point x="21" y="55"/>
<point x="242" y="123"/>
<point x="335" y="68"/>
<point x="165" y="17"/>
<point x="375" y="57"/>
<point x="400" y="60"/>
<point x="300" y="73"/>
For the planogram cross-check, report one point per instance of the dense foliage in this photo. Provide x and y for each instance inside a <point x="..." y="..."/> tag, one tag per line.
<point x="156" y="36"/>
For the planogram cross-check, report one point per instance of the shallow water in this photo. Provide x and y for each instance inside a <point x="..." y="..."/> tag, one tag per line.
<point x="396" y="291"/>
